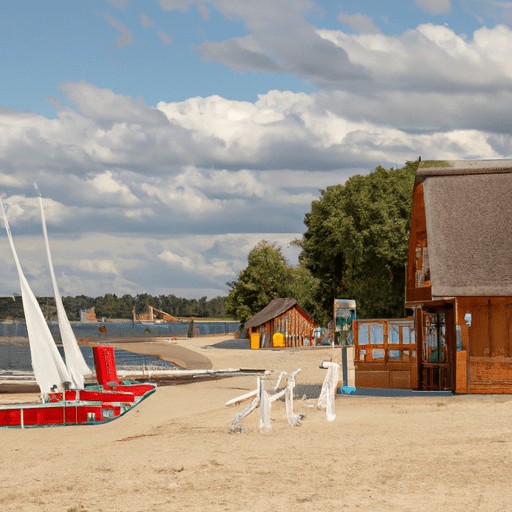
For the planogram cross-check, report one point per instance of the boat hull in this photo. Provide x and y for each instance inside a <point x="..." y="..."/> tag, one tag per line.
<point x="91" y="407"/>
<point x="94" y="405"/>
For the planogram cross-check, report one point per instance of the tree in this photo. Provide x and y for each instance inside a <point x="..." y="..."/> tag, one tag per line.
<point x="266" y="276"/>
<point x="73" y="306"/>
<point x="106" y="307"/>
<point x="356" y="242"/>
<point x="142" y="301"/>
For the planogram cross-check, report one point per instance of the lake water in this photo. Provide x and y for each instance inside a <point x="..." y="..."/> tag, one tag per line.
<point x="15" y="357"/>
<point x="95" y="330"/>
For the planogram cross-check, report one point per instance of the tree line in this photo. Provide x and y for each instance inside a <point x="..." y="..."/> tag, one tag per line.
<point x="111" y="306"/>
<point x="355" y="247"/>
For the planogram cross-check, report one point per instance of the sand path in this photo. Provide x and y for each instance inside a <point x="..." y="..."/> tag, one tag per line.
<point x="176" y="452"/>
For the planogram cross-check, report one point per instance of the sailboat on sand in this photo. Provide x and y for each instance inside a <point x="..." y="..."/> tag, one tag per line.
<point x="66" y="399"/>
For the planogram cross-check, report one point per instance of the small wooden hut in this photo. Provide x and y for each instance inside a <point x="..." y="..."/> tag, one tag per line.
<point x="283" y="323"/>
<point x="459" y="277"/>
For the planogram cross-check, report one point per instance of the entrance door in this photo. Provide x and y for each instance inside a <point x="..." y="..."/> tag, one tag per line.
<point x="436" y="356"/>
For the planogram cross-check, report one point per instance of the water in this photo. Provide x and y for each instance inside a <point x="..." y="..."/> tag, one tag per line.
<point x="91" y="330"/>
<point x="15" y="357"/>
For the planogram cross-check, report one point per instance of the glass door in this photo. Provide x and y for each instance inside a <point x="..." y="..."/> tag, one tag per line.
<point x="435" y="364"/>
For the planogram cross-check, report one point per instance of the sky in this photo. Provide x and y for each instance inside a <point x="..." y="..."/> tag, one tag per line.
<point x="167" y="138"/>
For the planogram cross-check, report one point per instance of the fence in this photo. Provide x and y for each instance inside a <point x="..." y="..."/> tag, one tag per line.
<point x="96" y="330"/>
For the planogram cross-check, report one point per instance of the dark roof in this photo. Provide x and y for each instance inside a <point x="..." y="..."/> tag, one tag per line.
<point x="277" y="307"/>
<point x="468" y="208"/>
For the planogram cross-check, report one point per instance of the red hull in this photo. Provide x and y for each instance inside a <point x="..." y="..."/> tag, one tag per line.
<point x="94" y="405"/>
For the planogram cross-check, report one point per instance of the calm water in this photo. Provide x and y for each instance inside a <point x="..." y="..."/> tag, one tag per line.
<point x="15" y="356"/>
<point x="128" y="329"/>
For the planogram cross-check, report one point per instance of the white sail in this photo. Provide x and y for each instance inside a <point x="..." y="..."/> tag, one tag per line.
<point x="75" y="361"/>
<point x="49" y="369"/>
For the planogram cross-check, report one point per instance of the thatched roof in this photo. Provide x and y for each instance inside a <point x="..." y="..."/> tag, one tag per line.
<point x="277" y="307"/>
<point x="468" y="207"/>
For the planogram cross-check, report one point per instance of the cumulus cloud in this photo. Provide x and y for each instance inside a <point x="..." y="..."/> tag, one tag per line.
<point x="197" y="264"/>
<point x="434" y="6"/>
<point x="96" y="266"/>
<point x="359" y="22"/>
<point x="22" y="210"/>
<point x="280" y="40"/>
<point x="106" y="186"/>
<point x="105" y="105"/>
<point x="197" y="183"/>
<point x="498" y="12"/>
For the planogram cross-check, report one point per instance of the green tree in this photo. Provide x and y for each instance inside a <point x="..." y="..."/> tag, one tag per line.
<point x="106" y="307"/>
<point x="216" y="307"/>
<point x="266" y="276"/>
<point x="356" y="242"/>
<point x="73" y="306"/>
<point x="125" y="306"/>
<point x="142" y="301"/>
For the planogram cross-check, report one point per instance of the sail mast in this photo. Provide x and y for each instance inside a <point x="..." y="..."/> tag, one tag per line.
<point x="49" y="369"/>
<point x="75" y="361"/>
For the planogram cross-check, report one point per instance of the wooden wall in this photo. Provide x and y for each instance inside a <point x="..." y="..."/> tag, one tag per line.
<point x="418" y="286"/>
<point x="489" y="341"/>
<point x="295" y="324"/>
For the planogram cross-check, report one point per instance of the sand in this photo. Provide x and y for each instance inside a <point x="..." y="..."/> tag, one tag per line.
<point x="175" y="451"/>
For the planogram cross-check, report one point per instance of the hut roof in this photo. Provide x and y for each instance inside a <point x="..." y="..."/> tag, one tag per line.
<point x="468" y="208"/>
<point x="277" y="307"/>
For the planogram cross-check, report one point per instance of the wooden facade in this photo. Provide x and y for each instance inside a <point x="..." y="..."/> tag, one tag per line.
<point x="459" y="277"/>
<point x="282" y="323"/>
<point x="385" y="353"/>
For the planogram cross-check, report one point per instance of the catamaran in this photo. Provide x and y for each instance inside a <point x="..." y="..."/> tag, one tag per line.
<point x="65" y="398"/>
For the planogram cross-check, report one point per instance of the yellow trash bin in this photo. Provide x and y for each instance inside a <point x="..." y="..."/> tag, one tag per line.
<point x="255" y="341"/>
<point x="278" y="339"/>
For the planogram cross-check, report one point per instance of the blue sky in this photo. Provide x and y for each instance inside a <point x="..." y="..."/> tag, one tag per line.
<point x="168" y="137"/>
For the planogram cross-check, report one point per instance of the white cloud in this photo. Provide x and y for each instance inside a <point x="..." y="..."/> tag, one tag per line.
<point x="197" y="264"/>
<point x="280" y="40"/>
<point x="359" y="22"/>
<point x="21" y="209"/>
<point x="106" y="186"/>
<point x="96" y="266"/>
<point x="105" y="105"/>
<point x="12" y="181"/>
<point x="434" y="6"/>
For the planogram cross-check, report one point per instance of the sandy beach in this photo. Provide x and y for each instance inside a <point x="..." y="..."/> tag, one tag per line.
<point x="176" y="451"/>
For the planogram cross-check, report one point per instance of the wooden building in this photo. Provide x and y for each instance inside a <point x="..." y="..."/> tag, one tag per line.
<point x="385" y="353"/>
<point x="459" y="277"/>
<point x="283" y="323"/>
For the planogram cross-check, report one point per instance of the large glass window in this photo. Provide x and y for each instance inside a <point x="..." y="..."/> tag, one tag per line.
<point x="385" y="340"/>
